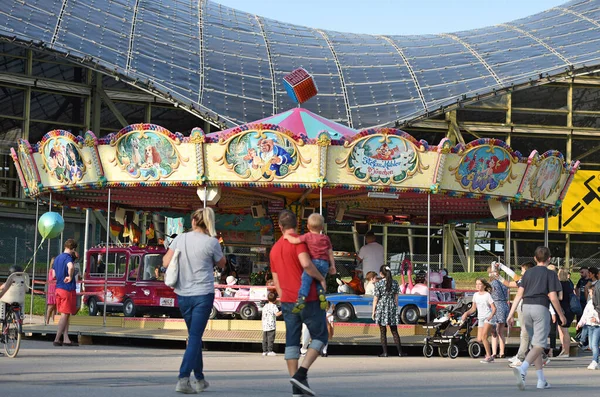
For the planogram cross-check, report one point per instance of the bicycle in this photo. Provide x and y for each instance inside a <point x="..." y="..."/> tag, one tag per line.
<point x="12" y="298"/>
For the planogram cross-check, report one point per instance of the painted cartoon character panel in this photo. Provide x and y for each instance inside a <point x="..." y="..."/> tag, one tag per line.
<point x="259" y="155"/>
<point x="63" y="160"/>
<point x="383" y="158"/>
<point x="147" y="154"/>
<point x="544" y="181"/>
<point x="484" y="168"/>
<point x="27" y="167"/>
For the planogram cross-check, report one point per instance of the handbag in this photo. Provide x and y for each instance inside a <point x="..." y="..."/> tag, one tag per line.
<point x="575" y="305"/>
<point x="172" y="273"/>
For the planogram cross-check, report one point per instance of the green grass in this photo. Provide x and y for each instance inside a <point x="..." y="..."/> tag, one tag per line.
<point x="39" y="306"/>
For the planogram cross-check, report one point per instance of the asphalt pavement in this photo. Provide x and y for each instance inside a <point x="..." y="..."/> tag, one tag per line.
<point x="41" y="369"/>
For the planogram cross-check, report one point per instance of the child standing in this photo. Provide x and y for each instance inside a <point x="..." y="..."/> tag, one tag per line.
<point x="321" y="253"/>
<point x="51" y="294"/>
<point x="371" y="278"/>
<point x="385" y="309"/>
<point x="484" y="305"/>
<point x="269" y="323"/>
<point x="591" y="320"/>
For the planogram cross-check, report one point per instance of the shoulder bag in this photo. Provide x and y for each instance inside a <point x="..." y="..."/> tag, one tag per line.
<point x="172" y="273"/>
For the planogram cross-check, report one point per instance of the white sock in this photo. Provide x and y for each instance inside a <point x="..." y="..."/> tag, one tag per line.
<point x="525" y="366"/>
<point x="540" y="375"/>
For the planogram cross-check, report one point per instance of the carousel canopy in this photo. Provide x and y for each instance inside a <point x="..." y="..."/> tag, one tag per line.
<point x="381" y="174"/>
<point x="303" y="122"/>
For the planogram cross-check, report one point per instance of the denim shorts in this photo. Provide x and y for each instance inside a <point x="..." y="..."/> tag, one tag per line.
<point x="314" y="318"/>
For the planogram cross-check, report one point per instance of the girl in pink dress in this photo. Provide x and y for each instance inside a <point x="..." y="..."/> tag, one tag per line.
<point x="51" y="295"/>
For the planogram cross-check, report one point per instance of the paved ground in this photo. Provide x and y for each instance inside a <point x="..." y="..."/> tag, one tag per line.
<point x="101" y="370"/>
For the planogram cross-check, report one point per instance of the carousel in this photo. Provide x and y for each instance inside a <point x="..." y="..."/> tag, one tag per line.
<point x="296" y="160"/>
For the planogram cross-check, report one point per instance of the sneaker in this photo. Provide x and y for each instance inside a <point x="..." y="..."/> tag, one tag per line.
<point x="516" y="363"/>
<point x="264" y="353"/>
<point x="520" y="376"/>
<point x="201" y="385"/>
<point x="302" y="384"/>
<point x="322" y="301"/>
<point x="184" y="386"/>
<point x="545" y="361"/>
<point x="297" y="392"/>
<point x="593" y="365"/>
<point x="563" y="354"/>
<point x="271" y="354"/>
<point x="584" y="348"/>
<point x="488" y="360"/>
<point x="512" y="359"/>
<point x="300" y="303"/>
<point x="542" y="384"/>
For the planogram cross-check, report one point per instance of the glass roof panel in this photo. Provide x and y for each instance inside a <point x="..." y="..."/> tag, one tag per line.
<point x="32" y="20"/>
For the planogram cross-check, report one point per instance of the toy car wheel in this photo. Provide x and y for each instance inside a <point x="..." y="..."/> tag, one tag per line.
<point x="248" y="312"/>
<point x="475" y="349"/>
<point x="213" y="313"/>
<point x="92" y="306"/>
<point x="427" y="350"/>
<point x="129" y="308"/>
<point x="453" y="351"/>
<point x="410" y="314"/>
<point x="443" y="351"/>
<point x="344" y="312"/>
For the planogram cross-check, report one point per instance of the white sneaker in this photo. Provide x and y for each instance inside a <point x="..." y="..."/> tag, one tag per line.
<point x="513" y="359"/>
<point x="271" y="354"/>
<point x="542" y="384"/>
<point x="593" y="365"/>
<point x="520" y="376"/>
<point x="184" y="386"/>
<point x="488" y="360"/>
<point x="264" y="353"/>
<point x="201" y="385"/>
<point x="516" y="363"/>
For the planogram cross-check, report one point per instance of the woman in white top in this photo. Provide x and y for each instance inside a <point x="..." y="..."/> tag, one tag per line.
<point x="199" y="253"/>
<point x="590" y="319"/>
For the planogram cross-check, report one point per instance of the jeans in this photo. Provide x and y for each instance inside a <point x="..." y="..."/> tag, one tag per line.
<point x="268" y="341"/>
<point x="323" y="268"/>
<point x="584" y="337"/>
<point x="313" y="317"/>
<point x="594" y="335"/>
<point x="195" y="311"/>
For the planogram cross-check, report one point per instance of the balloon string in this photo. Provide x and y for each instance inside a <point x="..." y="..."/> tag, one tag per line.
<point x="36" y="250"/>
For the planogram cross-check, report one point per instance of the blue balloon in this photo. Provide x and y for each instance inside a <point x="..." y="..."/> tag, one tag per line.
<point x="51" y="225"/>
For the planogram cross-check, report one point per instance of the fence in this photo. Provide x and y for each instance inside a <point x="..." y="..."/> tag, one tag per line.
<point x="19" y="251"/>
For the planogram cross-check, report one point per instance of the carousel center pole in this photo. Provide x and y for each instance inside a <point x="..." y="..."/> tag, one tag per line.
<point x="47" y="265"/>
<point x="205" y="196"/>
<point x="35" y="239"/>
<point x="321" y="200"/>
<point x="428" y="256"/>
<point x="546" y="242"/>
<point x="507" y="242"/>
<point x="106" y="258"/>
<point x="86" y="243"/>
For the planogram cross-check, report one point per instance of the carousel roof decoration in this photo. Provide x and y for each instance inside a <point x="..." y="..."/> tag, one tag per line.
<point x="376" y="172"/>
<point x="226" y="65"/>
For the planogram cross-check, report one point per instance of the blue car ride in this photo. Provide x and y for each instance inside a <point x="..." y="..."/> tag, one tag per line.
<point x="351" y="306"/>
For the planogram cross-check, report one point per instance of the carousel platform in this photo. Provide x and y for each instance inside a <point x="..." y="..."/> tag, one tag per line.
<point x="222" y="330"/>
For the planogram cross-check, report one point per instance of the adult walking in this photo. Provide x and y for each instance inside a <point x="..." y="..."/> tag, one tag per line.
<point x="538" y="289"/>
<point x="288" y="261"/>
<point x="66" y="297"/>
<point x="565" y="305"/>
<point x="385" y="309"/>
<point x="199" y="253"/>
<point x="500" y="295"/>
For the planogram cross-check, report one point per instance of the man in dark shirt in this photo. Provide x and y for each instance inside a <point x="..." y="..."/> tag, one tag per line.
<point x="538" y="289"/>
<point x="287" y="263"/>
<point x="580" y="287"/>
<point x="66" y="297"/>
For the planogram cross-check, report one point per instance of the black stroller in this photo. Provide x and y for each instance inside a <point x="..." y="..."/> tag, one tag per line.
<point x="450" y="335"/>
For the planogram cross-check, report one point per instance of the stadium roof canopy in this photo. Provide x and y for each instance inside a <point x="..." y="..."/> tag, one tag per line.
<point x="229" y="64"/>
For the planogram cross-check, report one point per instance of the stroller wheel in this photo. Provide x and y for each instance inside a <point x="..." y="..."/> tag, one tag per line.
<point x="475" y="349"/>
<point x="427" y="350"/>
<point x="443" y="351"/>
<point x="453" y="350"/>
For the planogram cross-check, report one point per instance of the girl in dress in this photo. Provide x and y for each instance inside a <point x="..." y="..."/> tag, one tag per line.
<point x="485" y="307"/>
<point x="385" y="308"/>
<point x="500" y="295"/>
<point x="51" y="295"/>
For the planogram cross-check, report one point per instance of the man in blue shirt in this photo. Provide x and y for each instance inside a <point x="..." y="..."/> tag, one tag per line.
<point x="66" y="297"/>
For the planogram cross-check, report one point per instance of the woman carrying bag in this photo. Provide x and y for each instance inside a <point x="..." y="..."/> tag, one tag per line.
<point x="198" y="252"/>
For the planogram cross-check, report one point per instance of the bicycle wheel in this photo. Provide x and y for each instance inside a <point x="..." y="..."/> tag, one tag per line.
<point x="12" y="334"/>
